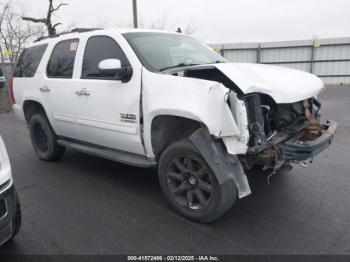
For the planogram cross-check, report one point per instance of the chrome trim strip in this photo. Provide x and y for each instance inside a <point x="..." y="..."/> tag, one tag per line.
<point x="108" y="126"/>
<point x="64" y="118"/>
<point x="128" y="129"/>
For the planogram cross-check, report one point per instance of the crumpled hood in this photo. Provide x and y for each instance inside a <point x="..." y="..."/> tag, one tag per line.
<point x="283" y="84"/>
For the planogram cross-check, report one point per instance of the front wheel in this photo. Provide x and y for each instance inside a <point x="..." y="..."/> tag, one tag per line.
<point x="190" y="186"/>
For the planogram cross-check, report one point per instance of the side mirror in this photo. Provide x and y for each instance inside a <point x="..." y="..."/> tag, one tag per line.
<point x="113" y="68"/>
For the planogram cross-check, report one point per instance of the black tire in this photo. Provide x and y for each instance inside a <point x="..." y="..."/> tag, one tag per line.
<point x="190" y="186"/>
<point x="17" y="219"/>
<point x="44" y="139"/>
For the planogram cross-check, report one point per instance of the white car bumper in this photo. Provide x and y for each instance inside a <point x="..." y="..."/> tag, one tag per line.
<point x="5" y="167"/>
<point x="19" y="112"/>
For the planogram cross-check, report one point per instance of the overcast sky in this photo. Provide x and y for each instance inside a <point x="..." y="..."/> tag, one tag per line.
<point x="216" y="21"/>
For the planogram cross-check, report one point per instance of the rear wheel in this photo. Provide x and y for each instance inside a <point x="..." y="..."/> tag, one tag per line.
<point x="190" y="186"/>
<point x="44" y="139"/>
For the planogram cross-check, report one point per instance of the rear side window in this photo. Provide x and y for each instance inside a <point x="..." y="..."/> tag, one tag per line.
<point x="1" y="73"/>
<point x="99" y="48"/>
<point x="62" y="59"/>
<point x="29" y="61"/>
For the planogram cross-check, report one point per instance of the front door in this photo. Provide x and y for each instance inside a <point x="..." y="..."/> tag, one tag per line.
<point x="108" y="110"/>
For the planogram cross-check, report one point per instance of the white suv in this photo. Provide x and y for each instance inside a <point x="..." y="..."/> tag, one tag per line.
<point x="148" y="98"/>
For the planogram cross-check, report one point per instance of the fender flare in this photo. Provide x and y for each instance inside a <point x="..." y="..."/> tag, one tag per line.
<point x="226" y="167"/>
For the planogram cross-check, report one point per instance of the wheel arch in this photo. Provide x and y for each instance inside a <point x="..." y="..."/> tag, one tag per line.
<point x="31" y="107"/>
<point x="166" y="129"/>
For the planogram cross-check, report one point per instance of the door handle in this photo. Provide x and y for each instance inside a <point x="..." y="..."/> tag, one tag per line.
<point x="44" y="89"/>
<point x="83" y="92"/>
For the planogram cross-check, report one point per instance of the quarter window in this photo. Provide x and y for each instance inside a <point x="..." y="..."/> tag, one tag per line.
<point x="29" y="61"/>
<point x="61" y="63"/>
<point x="99" y="48"/>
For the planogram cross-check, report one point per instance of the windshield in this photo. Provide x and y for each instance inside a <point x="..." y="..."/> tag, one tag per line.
<point x="161" y="51"/>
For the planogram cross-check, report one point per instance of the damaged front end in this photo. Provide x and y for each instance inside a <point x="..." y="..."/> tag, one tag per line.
<point x="281" y="134"/>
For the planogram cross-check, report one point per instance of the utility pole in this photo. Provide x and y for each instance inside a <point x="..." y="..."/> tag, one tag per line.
<point x="134" y="7"/>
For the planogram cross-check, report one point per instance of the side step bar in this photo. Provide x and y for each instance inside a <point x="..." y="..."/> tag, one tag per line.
<point x="111" y="154"/>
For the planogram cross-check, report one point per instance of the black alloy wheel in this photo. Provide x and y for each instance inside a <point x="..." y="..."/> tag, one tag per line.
<point x="190" y="186"/>
<point x="190" y="182"/>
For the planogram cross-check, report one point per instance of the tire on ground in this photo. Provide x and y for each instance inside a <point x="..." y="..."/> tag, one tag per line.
<point x="222" y="196"/>
<point x="44" y="139"/>
<point x="17" y="219"/>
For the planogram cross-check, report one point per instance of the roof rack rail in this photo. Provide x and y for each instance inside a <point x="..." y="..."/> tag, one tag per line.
<point x="75" y="30"/>
<point x="83" y="30"/>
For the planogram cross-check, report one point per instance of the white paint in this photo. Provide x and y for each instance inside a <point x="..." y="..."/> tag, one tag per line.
<point x="5" y="166"/>
<point x="110" y="64"/>
<point x="284" y="85"/>
<point x="200" y="100"/>
<point x="238" y="144"/>
<point x="64" y="118"/>
<point x="235" y="146"/>
<point x="97" y="118"/>
<point x="128" y="129"/>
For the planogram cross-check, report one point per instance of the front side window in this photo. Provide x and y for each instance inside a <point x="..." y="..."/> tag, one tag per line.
<point x="62" y="59"/>
<point x="29" y="61"/>
<point x="161" y="51"/>
<point x="99" y="48"/>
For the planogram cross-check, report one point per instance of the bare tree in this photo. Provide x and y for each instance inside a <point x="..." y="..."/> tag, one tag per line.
<point x="164" y="23"/>
<point x="14" y="32"/>
<point x="190" y="28"/>
<point x="47" y="21"/>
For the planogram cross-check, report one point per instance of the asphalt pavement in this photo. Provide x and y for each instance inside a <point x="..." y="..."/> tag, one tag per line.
<point x="87" y="205"/>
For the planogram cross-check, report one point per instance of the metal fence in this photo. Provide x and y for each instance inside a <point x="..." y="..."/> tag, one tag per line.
<point x="327" y="58"/>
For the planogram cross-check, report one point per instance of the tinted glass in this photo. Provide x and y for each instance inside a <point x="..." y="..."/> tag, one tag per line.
<point x="29" y="61"/>
<point x="61" y="63"/>
<point x="1" y="73"/>
<point x="99" y="48"/>
<point x="161" y="51"/>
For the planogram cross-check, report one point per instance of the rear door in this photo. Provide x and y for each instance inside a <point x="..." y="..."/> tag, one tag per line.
<point x="58" y="88"/>
<point x="27" y="74"/>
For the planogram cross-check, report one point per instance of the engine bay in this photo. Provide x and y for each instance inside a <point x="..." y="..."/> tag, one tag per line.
<point x="271" y="125"/>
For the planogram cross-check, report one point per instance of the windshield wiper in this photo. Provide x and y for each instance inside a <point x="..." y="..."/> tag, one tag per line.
<point x="176" y="66"/>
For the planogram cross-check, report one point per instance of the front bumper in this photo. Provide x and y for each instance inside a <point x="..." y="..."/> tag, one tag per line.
<point x="8" y="206"/>
<point x="303" y="150"/>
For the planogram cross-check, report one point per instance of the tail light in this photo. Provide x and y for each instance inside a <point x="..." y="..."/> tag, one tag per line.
<point x="12" y="95"/>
